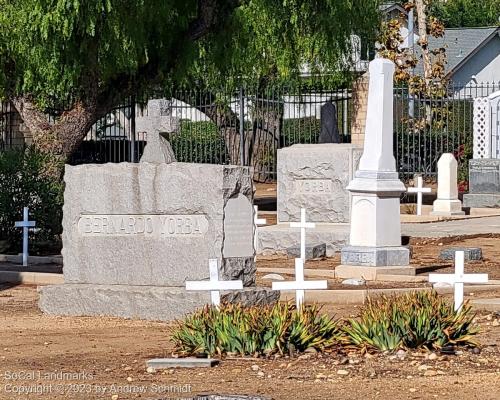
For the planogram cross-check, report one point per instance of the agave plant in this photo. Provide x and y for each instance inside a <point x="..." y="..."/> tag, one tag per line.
<point x="412" y="320"/>
<point x="233" y="328"/>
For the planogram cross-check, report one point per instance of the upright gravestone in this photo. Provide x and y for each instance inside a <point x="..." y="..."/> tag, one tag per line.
<point x="484" y="183"/>
<point x="133" y="234"/>
<point x="375" y="236"/>
<point x="158" y="125"/>
<point x="447" y="202"/>
<point x="315" y="176"/>
<point x="329" y="125"/>
<point x="484" y="169"/>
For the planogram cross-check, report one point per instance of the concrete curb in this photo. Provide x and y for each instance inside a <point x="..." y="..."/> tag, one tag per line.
<point x="31" y="278"/>
<point x="486" y="304"/>
<point x="31" y="259"/>
<point x="330" y="274"/>
<point x="360" y="296"/>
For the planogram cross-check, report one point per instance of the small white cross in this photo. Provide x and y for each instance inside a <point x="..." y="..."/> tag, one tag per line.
<point x="458" y="279"/>
<point x="257" y="222"/>
<point x="419" y="190"/>
<point x="299" y="285"/>
<point x="214" y="285"/>
<point x="26" y="225"/>
<point x="303" y="225"/>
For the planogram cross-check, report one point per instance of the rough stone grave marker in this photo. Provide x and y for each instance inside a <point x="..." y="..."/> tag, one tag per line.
<point x="315" y="176"/>
<point x="157" y="124"/>
<point x="134" y="233"/>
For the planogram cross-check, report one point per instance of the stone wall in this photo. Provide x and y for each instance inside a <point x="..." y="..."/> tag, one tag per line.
<point x="359" y="107"/>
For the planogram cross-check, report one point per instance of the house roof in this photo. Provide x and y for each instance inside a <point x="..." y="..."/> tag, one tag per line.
<point x="461" y="44"/>
<point x="388" y="7"/>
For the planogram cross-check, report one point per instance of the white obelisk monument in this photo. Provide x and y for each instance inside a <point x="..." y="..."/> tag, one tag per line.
<point x="375" y="235"/>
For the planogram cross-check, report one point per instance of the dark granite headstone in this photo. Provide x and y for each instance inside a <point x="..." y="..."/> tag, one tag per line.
<point x="470" y="253"/>
<point x="484" y="183"/>
<point x="484" y="175"/>
<point x="329" y="128"/>
<point x="312" y="251"/>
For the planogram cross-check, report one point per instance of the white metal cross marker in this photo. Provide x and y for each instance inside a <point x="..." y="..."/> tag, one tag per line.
<point x="26" y="225"/>
<point x="299" y="285"/>
<point x="458" y="279"/>
<point x="303" y="225"/>
<point x="419" y="190"/>
<point x="214" y="285"/>
<point x="257" y="222"/>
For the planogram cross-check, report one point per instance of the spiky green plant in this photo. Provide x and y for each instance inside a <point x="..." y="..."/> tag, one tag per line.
<point x="419" y="319"/>
<point x="234" y="328"/>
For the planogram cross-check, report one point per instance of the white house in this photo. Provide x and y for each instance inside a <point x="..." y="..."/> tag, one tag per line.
<point x="473" y="57"/>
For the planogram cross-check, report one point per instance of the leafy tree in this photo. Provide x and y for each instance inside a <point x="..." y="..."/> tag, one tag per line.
<point x="466" y="13"/>
<point x="86" y="56"/>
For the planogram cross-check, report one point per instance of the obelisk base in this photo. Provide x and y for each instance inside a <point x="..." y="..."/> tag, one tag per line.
<point x="375" y="256"/>
<point x="447" y="208"/>
<point x="371" y="273"/>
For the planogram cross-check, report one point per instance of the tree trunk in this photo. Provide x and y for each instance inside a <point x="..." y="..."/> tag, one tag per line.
<point x="260" y="142"/>
<point x="264" y="141"/>
<point x="423" y="41"/>
<point x="60" y="139"/>
<point x="228" y="124"/>
<point x="63" y="137"/>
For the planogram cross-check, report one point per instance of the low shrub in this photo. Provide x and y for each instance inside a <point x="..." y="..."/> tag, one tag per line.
<point x="258" y="330"/>
<point x="413" y="320"/>
<point x="416" y="320"/>
<point x="199" y="142"/>
<point x="24" y="182"/>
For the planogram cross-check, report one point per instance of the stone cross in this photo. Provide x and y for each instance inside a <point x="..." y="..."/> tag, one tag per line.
<point x="26" y="225"/>
<point x="419" y="190"/>
<point x="299" y="285"/>
<point x="214" y="285"/>
<point x="257" y="222"/>
<point x="458" y="279"/>
<point x="303" y="225"/>
<point x="447" y="202"/>
<point x="156" y="124"/>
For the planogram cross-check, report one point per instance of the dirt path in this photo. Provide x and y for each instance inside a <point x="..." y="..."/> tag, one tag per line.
<point x="108" y="355"/>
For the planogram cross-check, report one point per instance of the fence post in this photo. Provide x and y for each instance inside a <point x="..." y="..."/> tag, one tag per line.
<point x="132" y="129"/>
<point x="242" y="127"/>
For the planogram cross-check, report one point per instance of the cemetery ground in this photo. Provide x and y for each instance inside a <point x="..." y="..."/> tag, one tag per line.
<point x="114" y="351"/>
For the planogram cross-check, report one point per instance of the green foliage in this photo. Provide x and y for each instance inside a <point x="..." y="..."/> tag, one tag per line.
<point x="199" y="142"/>
<point x="413" y="320"/>
<point x="55" y="50"/>
<point x="466" y="13"/>
<point x="301" y="130"/>
<point x="24" y="182"/>
<point x="254" y="330"/>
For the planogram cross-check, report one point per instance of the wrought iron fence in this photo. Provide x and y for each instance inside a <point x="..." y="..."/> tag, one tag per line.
<point x="426" y="127"/>
<point x="272" y="118"/>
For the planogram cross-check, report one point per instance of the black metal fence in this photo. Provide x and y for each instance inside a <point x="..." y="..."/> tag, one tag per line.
<point x="426" y="127"/>
<point x="272" y="118"/>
